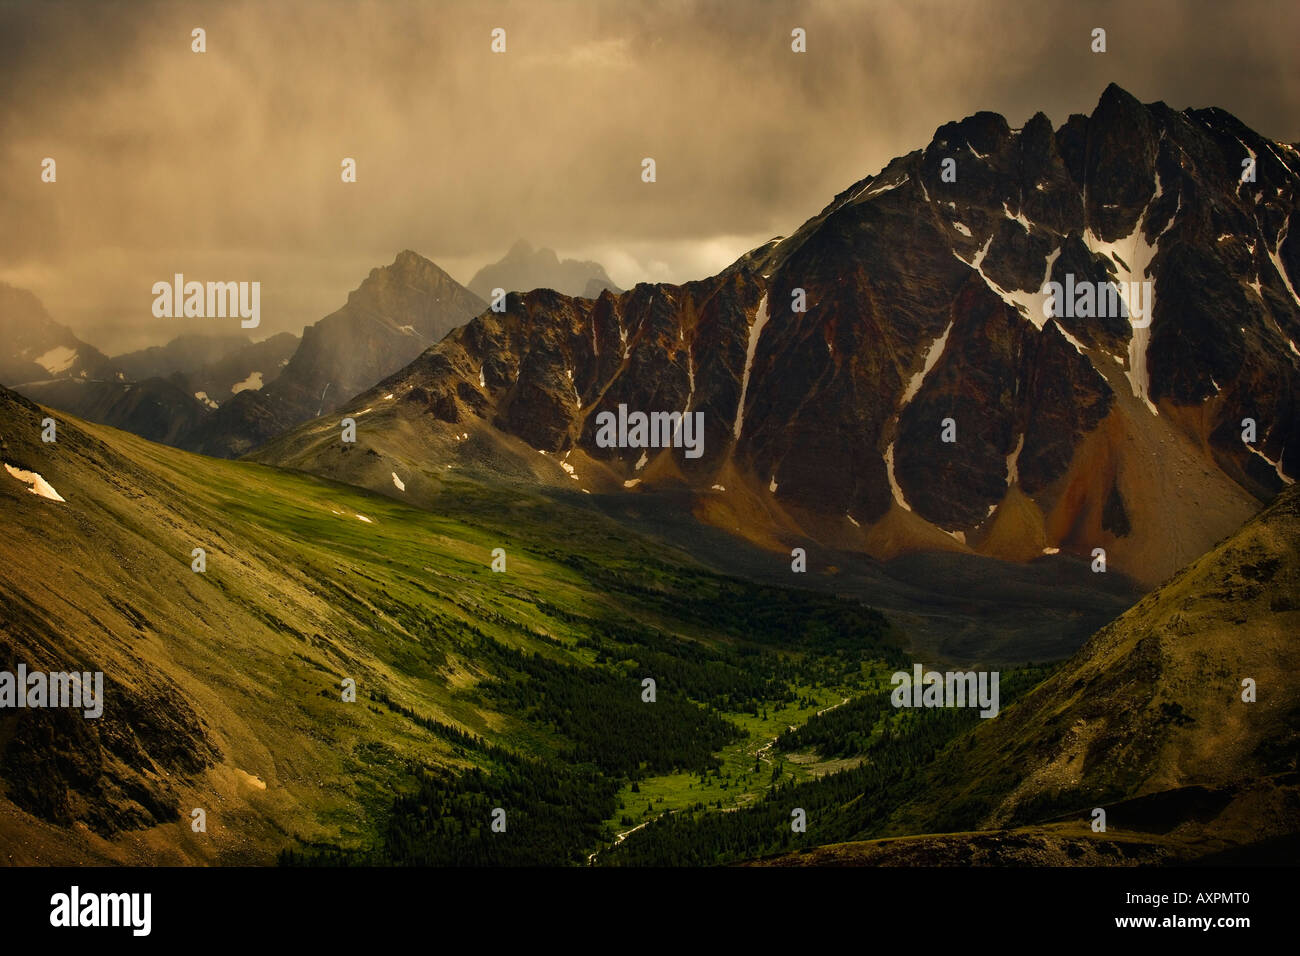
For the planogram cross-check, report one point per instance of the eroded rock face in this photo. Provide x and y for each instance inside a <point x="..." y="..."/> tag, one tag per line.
<point x="114" y="772"/>
<point x="923" y="302"/>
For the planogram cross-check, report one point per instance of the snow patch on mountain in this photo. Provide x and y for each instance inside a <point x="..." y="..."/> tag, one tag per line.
<point x="1013" y="461"/>
<point x="1281" y="160"/>
<point x="893" y="482"/>
<point x="755" y="330"/>
<point x="1078" y="346"/>
<point x="252" y="383"/>
<point x="1131" y="257"/>
<point x="932" y="354"/>
<point x="39" y="486"/>
<point x="1277" y="263"/>
<point x="874" y="189"/>
<point x="1275" y="465"/>
<point x="1018" y="217"/>
<point x="1253" y="159"/>
<point x="58" y="359"/>
<point x="1283" y="336"/>
<point x="1028" y="304"/>
<point x="690" y="375"/>
<point x="886" y="188"/>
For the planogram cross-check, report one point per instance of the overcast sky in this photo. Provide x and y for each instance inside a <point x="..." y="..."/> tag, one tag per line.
<point x="225" y="165"/>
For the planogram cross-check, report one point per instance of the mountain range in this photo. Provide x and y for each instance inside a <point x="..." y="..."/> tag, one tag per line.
<point x="214" y="368"/>
<point x="223" y="395"/>
<point x="904" y="459"/>
<point x="175" y="393"/>
<point x="924" y="306"/>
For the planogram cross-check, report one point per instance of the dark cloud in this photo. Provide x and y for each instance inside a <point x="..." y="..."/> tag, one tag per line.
<point x="226" y="165"/>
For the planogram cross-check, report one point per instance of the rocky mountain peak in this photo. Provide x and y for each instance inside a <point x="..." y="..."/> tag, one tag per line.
<point x="409" y="274"/>
<point x="525" y="267"/>
<point x="830" y="365"/>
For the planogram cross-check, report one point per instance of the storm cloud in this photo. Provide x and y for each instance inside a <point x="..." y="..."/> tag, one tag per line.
<point x="225" y="165"/>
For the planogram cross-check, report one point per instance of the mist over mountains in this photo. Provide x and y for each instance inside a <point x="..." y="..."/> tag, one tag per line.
<point x="524" y="268"/>
<point x="176" y="393"/>
<point x="36" y="348"/>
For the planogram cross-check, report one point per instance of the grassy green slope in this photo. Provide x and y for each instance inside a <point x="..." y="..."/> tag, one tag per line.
<point x="1153" y="702"/>
<point x="223" y="688"/>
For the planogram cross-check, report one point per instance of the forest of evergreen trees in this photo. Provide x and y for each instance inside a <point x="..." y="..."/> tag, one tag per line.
<point x="598" y="735"/>
<point x="552" y="810"/>
<point x="849" y="805"/>
<point x="601" y="712"/>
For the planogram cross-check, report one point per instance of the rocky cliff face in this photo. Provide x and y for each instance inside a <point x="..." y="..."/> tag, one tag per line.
<point x="395" y="314"/>
<point x="923" y="319"/>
